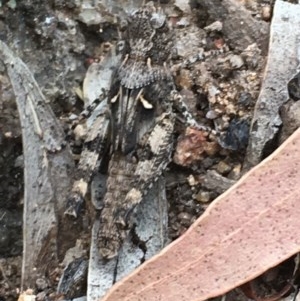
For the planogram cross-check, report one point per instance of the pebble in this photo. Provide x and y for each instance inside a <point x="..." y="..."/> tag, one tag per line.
<point x="237" y="135"/>
<point x="223" y="168"/>
<point x="183" y="5"/>
<point x="8" y="134"/>
<point x="73" y="117"/>
<point x="211" y="114"/>
<point x="11" y="4"/>
<point x="183" y="22"/>
<point x="235" y="173"/>
<point x="191" y="180"/>
<point x="216" y="26"/>
<point x="266" y="12"/>
<point x="19" y="162"/>
<point x="27" y="296"/>
<point x="202" y="197"/>
<point x="90" y="16"/>
<point x="245" y="99"/>
<point x="185" y="218"/>
<point x="80" y="132"/>
<point x="236" y="61"/>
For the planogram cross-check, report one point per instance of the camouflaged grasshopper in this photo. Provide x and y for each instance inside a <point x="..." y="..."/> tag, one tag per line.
<point x="135" y="129"/>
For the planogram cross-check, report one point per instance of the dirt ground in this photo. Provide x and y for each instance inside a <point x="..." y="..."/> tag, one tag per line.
<point x="58" y="39"/>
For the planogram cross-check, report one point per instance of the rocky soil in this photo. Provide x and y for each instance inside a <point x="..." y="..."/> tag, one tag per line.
<point x="59" y="39"/>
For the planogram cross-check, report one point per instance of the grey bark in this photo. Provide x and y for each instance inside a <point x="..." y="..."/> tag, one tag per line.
<point x="283" y="59"/>
<point x="48" y="166"/>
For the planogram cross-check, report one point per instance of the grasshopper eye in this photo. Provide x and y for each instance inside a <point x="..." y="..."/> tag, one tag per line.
<point x="157" y="20"/>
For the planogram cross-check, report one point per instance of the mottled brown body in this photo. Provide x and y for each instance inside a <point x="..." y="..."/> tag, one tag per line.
<point x="111" y="234"/>
<point x="135" y="131"/>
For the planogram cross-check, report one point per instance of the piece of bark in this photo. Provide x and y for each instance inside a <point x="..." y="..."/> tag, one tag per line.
<point x="48" y="169"/>
<point x="282" y="62"/>
<point x="249" y="229"/>
<point x="240" y="28"/>
<point x="215" y="182"/>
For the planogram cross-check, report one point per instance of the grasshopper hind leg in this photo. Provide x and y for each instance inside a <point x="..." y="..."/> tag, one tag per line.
<point x="94" y="149"/>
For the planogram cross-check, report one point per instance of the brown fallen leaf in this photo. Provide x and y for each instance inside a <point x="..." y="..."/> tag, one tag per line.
<point x="249" y="229"/>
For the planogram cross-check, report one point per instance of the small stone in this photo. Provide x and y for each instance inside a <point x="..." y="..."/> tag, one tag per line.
<point x="27" y="296"/>
<point x="235" y="173"/>
<point x="266" y="12"/>
<point x="80" y="132"/>
<point x="237" y="135"/>
<point x="236" y="61"/>
<point x="223" y="168"/>
<point x="191" y="180"/>
<point x="11" y="4"/>
<point x="185" y="218"/>
<point x="245" y="99"/>
<point x="202" y="197"/>
<point x="211" y="114"/>
<point x="183" y="5"/>
<point x="73" y="117"/>
<point x="216" y="26"/>
<point x="8" y="134"/>
<point x="183" y="22"/>
<point x="19" y="162"/>
<point x="90" y="16"/>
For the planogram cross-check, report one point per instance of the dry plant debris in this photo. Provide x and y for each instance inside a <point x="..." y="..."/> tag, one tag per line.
<point x="230" y="83"/>
<point x="219" y="252"/>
